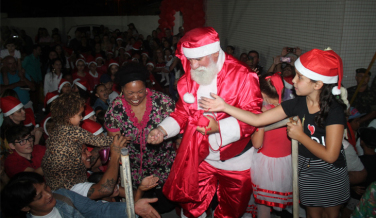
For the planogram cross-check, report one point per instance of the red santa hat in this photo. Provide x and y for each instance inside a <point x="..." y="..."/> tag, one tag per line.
<point x="44" y="123"/>
<point x="92" y="127"/>
<point x="29" y="118"/>
<point x="90" y="60"/>
<point x="109" y="52"/>
<point x="145" y="53"/>
<point x="134" y="59"/>
<point x="9" y="105"/>
<point x="119" y="38"/>
<point x="69" y="51"/>
<point x="98" y="56"/>
<point x="196" y="43"/>
<point x="113" y="62"/>
<point x="88" y="112"/>
<point x="121" y="48"/>
<point x="62" y="83"/>
<point x="128" y="53"/>
<point x="137" y="45"/>
<point x="50" y="97"/>
<point x="83" y="56"/>
<point x="287" y="81"/>
<point x="82" y="84"/>
<point x="80" y="59"/>
<point x="150" y="64"/>
<point x="319" y="65"/>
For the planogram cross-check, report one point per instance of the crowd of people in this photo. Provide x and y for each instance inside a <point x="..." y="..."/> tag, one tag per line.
<point x="197" y="145"/>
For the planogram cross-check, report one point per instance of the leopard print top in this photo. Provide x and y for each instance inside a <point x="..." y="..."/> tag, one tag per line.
<point x="62" y="165"/>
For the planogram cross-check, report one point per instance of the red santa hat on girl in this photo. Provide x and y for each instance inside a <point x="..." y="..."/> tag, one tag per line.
<point x="80" y="59"/>
<point x="119" y="38"/>
<point x="44" y="123"/>
<point x="88" y="112"/>
<point x="92" y="127"/>
<point x="325" y="66"/>
<point x="29" y="118"/>
<point x="145" y="53"/>
<point x="82" y="84"/>
<point x="113" y="62"/>
<point x="196" y="43"/>
<point x="9" y="105"/>
<point x="150" y="64"/>
<point x="98" y="56"/>
<point x="90" y="60"/>
<point x="62" y="83"/>
<point x="50" y="97"/>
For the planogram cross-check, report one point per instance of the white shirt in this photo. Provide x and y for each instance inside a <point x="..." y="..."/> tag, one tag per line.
<point x="5" y="52"/>
<point x="51" y="82"/>
<point x="112" y="96"/>
<point x="53" y="214"/>
<point x="82" y="188"/>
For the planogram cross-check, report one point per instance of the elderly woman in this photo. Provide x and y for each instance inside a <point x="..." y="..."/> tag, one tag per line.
<point x="135" y="113"/>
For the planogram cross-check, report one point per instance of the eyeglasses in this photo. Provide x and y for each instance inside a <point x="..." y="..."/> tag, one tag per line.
<point x="23" y="141"/>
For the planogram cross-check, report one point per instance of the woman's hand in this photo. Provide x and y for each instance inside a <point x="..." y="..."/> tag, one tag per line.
<point x="156" y="136"/>
<point x="148" y="183"/>
<point x="295" y="129"/>
<point x="211" y="128"/>
<point x="213" y="105"/>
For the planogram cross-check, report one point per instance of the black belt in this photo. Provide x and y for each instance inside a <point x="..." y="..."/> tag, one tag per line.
<point x="246" y="148"/>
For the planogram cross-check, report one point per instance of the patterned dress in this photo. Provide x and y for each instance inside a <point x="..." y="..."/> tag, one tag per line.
<point x="145" y="159"/>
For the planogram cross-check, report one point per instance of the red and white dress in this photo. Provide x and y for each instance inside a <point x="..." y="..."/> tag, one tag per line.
<point x="271" y="171"/>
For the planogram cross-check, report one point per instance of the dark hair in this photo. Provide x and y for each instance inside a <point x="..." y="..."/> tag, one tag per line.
<point x="53" y="62"/>
<point x="253" y="51"/>
<point x="168" y="49"/>
<point x="268" y="88"/>
<point x="132" y="71"/>
<point x="232" y="47"/>
<point x="10" y="41"/>
<point x="17" y="133"/>
<point x="66" y="106"/>
<point x="19" y="192"/>
<point x="95" y="177"/>
<point x="242" y="55"/>
<point x="362" y="70"/>
<point x="83" y="93"/>
<point x="9" y="92"/>
<point x="325" y="102"/>
<point x="36" y="46"/>
<point x="100" y="117"/>
<point x="93" y="97"/>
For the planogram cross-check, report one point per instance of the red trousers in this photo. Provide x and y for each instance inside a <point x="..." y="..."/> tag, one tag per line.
<point x="233" y="189"/>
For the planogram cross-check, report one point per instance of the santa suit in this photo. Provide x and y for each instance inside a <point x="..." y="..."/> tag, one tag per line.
<point x="223" y="166"/>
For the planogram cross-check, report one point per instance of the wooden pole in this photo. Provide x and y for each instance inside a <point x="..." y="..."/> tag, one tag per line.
<point x="295" y="187"/>
<point x="280" y="123"/>
<point x="127" y="182"/>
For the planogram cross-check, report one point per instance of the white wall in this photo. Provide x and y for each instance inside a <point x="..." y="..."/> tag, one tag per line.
<point x="144" y="24"/>
<point x="347" y="26"/>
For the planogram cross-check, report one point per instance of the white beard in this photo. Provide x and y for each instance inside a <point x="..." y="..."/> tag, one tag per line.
<point x="204" y="75"/>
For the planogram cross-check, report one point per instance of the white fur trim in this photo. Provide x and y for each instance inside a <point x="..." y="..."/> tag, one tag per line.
<point x="80" y="60"/>
<point x="92" y="62"/>
<point x="202" y="51"/>
<point x="171" y="127"/>
<point x="29" y="124"/>
<point x="53" y="98"/>
<point x="151" y="64"/>
<point x="336" y="90"/>
<point x="313" y="75"/>
<point x="230" y="130"/>
<point x="81" y="86"/>
<point x="89" y="115"/>
<point x="45" y="126"/>
<point x="95" y="76"/>
<point x="113" y="64"/>
<point x="11" y="111"/>
<point x="61" y="85"/>
<point x="287" y="85"/>
<point x="189" y="98"/>
<point x="99" y="131"/>
<point x="76" y="80"/>
<point x="238" y="163"/>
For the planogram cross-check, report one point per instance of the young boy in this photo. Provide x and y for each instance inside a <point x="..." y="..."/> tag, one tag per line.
<point x="26" y="156"/>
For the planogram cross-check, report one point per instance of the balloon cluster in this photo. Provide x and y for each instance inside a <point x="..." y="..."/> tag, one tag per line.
<point x="193" y="13"/>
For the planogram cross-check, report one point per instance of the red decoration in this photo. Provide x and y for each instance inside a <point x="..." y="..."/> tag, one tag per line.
<point x="193" y="13"/>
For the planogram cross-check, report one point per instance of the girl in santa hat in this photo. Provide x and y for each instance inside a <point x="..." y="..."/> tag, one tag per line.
<point x="323" y="179"/>
<point x="80" y="73"/>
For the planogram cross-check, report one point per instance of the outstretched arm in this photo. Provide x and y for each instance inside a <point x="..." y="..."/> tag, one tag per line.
<point x="263" y="119"/>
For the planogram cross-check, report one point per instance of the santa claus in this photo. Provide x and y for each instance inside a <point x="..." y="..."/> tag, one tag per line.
<point x="215" y="154"/>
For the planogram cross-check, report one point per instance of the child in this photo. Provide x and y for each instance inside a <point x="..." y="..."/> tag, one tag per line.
<point x="82" y="88"/>
<point x="101" y="67"/>
<point x="323" y="180"/>
<point x="64" y="86"/>
<point x="62" y="165"/>
<point x="100" y="97"/>
<point x="93" y="76"/>
<point x="89" y="113"/>
<point x="108" y="83"/>
<point x="27" y="156"/>
<point x="271" y="171"/>
<point x="80" y="74"/>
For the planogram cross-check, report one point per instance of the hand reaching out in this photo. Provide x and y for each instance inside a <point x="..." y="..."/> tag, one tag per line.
<point x="155" y="136"/>
<point x="144" y="209"/>
<point x="212" y="105"/>
<point x="277" y="60"/>
<point x="148" y="183"/>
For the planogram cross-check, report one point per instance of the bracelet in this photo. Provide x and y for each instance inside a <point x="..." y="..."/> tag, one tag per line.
<point x="162" y="130"/>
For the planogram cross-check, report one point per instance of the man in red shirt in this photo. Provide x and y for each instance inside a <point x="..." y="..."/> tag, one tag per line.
<point x="26" y="156"/>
